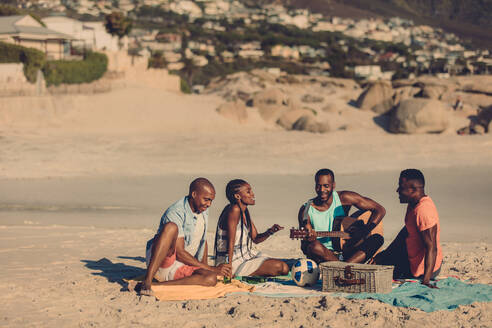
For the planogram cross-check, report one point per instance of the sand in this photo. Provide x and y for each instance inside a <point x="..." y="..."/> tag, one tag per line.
<point x="71" y="276"/>
<point x="84" y="180"/>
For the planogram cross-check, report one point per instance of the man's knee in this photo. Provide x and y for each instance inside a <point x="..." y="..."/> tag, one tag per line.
<point x="372" y="245"/>
<point x="209" y="279"/>
<point x="319" y="253"/>
<point x="314" y="247"/>
<point x="378" y="240"/>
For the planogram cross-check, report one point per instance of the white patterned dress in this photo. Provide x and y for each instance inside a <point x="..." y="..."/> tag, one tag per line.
<point x="243" y="264"/>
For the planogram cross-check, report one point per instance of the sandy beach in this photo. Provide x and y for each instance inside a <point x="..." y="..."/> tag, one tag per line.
<point x="85" y="179"/>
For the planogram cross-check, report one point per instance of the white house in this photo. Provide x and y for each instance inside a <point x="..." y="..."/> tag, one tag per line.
<point x="89" y="35"/>
<point x="285" y="52"/>
<point x="370" y="72"/>
<point x="186" y="7"/>
<point x="227" y="56"/>
<point x="25" y="31"/>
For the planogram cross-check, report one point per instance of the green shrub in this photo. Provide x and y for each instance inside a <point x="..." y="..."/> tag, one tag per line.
<point x="91" y="68"/>
<point x="32" y="59"/>
<point x="185" y="87"/>
<point x="157" y="60"/>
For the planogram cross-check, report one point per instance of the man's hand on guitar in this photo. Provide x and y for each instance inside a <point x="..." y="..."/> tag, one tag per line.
<point x="357" y="232"/>
<point x="311" y="233"/>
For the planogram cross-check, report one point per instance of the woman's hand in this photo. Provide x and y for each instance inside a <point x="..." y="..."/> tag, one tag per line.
<point x="224" y="269"/>
<point x="275" y="228"/>
<point x="270" y="231"/>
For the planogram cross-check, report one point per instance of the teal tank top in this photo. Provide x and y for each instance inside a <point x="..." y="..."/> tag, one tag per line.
<point x="323" y="221"/>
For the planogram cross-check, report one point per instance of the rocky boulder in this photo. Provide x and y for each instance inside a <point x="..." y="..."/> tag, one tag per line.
<point x="308" y="98"/>
<point x="406" y="92"/>
<point x="269" y="97"/>
<point x="287" y="79"/>
<point x="433" y="91"/>
<point x="308" y="123"/>
<point x="484" y="118"/>
<point x="288" y="118"/>
<point x="271" y="113"/>
<point x="293" y="103"/>
<point x="419" y="116"/>
<point x="235" y="111"/>
<point x="331" y="108"/>
<point x="378" y="97"/>
<point x="481" y="84"/>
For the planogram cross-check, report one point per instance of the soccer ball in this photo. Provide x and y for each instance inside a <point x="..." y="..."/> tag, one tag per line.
<point x="305" y="272"/>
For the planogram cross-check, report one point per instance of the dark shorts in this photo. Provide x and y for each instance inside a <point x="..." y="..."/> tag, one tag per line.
<point x="369" y="246"/>
<point x="396" y="254"/>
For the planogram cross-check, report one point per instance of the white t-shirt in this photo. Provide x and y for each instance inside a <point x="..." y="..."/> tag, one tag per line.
<point x="192" y="248"/>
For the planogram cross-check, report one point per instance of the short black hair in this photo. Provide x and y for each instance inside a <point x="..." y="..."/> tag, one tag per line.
<point x="324" y="172"/>
<point x="413" y="174"/>
<point x="199" y="184"/>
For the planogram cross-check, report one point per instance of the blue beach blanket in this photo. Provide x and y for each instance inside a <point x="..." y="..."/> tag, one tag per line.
<point x="451" y="293"/>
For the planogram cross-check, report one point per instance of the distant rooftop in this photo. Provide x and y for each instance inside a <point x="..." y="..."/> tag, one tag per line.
<point x="14" y="25"/>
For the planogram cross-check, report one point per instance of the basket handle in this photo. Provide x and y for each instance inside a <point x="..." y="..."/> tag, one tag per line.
<point x="348" y="280"/>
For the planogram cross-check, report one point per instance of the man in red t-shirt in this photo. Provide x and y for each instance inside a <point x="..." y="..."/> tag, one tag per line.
<point x="416" y="251"/>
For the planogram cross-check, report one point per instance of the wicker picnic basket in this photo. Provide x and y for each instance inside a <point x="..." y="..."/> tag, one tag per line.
<point x="356" y="278"/>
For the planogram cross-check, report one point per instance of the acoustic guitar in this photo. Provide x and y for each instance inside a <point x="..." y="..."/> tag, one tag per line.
<point x="340" y="227"/>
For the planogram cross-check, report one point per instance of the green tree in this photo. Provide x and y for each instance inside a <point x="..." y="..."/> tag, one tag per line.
<point x="189" y="70"/>
<point x="157" y="60"/>
<point x="118" y="24"/>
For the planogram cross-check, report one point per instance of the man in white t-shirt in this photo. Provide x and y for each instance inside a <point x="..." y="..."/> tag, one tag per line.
<point x="178" y="253"/>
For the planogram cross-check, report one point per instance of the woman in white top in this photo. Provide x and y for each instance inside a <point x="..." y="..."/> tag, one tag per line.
<point x="236" y="232"/>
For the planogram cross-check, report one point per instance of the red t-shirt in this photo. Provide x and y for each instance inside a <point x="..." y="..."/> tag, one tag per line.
<point x="422" y="217"/>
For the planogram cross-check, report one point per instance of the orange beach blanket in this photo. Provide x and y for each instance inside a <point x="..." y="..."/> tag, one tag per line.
<point x="193" y="292"/>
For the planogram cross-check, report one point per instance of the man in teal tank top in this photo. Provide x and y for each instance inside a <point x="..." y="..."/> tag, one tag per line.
<point x="319" y="213"/>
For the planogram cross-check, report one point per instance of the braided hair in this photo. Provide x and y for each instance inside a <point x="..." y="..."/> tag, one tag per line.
<point x="232" y="189"/>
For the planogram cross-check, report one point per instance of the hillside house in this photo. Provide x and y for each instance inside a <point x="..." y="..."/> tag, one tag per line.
<point x="87" y="35"/>
<point x="23" y="30"/>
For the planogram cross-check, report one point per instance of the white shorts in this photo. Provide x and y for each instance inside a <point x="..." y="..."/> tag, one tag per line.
<point x="164" y="274"/>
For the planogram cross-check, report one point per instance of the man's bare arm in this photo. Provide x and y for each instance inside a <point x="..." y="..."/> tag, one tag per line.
<point x="205" y="254"/>
<point x="429" y="237"/>
<point x="183" y="256"/>
<point x="366" y="204"/>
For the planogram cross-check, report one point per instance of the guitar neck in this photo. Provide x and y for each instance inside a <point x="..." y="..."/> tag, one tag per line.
<point x="300" y="233"/>
<point x="331" y="234"/>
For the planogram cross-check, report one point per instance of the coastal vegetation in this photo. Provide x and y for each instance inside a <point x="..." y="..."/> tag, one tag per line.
<point x="118" y="24"/>
<point x="92" y="67"/>
<point x="469" y="19"/>
<point x="33" y="59"/>
<point x="338" y="50"/>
